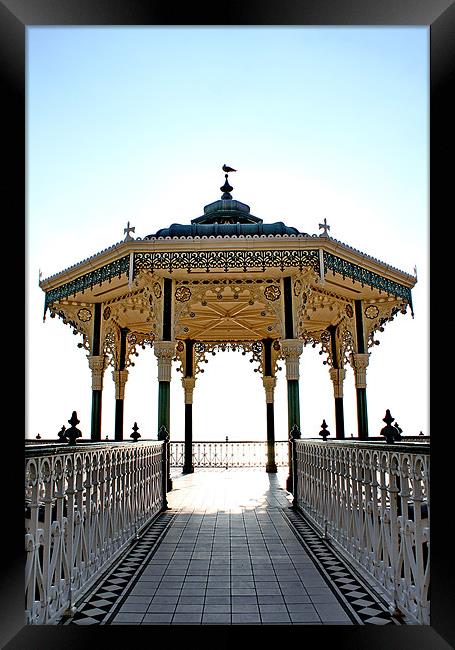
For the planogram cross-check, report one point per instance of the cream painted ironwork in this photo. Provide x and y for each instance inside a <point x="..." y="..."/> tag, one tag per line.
<point x="83" y="506"/>
<point x="372" y="501"/>
<point x="229" y="453"/>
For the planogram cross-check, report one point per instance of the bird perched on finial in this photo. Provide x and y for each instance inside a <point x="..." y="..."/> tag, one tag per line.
<point x="226" y="168"/>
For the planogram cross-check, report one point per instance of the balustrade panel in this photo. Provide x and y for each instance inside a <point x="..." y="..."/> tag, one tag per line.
<point x="229" y="453"/>
<point x="372" y="502"/>
<point x="83" y="506"/>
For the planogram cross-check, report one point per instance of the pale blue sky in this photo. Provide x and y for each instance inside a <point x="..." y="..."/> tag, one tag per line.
<point x="135" y="124"/>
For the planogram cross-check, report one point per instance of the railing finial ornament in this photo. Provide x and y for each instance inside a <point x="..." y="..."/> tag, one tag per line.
<point x="135" y="435"/>
<point x="324" y="432"/>
<point x="73" y="433"/>
<point x="163" y="433"/>
<point x="295" y="433"/>
<point x="391" y="433"/>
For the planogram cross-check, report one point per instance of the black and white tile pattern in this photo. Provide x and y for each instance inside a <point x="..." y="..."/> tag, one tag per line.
<point x="366" y="606"/>
<point x="109" y="592"/>
<point x="231" y="550"/>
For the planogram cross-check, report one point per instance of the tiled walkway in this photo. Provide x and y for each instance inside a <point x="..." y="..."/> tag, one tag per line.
<point x="231" y="553"/>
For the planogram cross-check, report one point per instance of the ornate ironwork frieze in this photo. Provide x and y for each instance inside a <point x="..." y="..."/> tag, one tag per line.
<point x="88" y="281"/>
<point x="365" y="277"/>
<point x="225" y="260"/>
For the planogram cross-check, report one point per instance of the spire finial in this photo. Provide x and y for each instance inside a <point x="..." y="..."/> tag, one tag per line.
<point x="226" y="188"/>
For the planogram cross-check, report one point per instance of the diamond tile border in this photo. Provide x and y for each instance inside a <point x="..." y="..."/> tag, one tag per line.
<point x="105" y="598"/>
<point x="358" y="600"/>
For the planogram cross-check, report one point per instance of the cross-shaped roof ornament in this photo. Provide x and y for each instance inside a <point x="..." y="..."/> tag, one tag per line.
<point x="127" y="230"/>
<point x="326" y="227"/>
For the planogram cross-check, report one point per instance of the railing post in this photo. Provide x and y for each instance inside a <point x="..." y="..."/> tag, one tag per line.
<point x="166" y="468"/>
<point x="293" y="436"/>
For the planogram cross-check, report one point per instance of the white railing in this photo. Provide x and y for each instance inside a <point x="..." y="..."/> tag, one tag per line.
<point x="229" y="454"/>
<point x="372" y="501"/>
<point x="84" y="504"/>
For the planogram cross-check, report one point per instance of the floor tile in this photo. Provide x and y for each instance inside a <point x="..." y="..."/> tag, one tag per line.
<point x="275" y="617"/>
<point x="216" y="618"/>
<point x="134" y="607"/>
<point x="248" y="618"/>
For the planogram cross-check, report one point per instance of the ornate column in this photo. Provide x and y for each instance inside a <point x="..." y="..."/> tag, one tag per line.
<point x="337" y="376"/>
<point x="291" y="351"/>
<point x="96" y="363"/>
<point x="359" y="362"/>
<point x="188" y="385"/>
<point x="269" y="382"/>
<point x="188" y="382"/>
<point x="269" y="386"/>
<point x="164" y="352"/>
<point x="120" y="377"/>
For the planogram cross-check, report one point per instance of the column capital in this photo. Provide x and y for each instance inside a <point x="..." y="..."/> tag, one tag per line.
<point x="337" y="376"/>
<point x="120" y="377"/>
<point x="359" y="362"/>
<point x="269" y="384"/>
<point x="164" y="352"/>
<point x="164" y="349"/>
<point x="291" y="350"/>
<point x="188" y="384"/>
<point x="97" y="363"/>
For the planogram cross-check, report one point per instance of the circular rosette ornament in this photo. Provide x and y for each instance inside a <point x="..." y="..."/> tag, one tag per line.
<point x="371" y="312"/>
<point x="84" y="315"/>
<point x="182" y="294"/>
<point x="272" y="292"/>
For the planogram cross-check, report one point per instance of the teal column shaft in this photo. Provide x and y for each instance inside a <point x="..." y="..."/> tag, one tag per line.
<point x="293" y="404"/>
<point x="96" y="415"/>
<point x="293" y="418"/>
<point x="188" y="467"/>
<point x="362" y="413"/>
<point x="96" y="394"/>
<point x="118" y="419"/>
<point x="164" y="405"/>
<point x="271" y="464"/>
<point x="164" y="417"/>
<point x="339" y="418"/>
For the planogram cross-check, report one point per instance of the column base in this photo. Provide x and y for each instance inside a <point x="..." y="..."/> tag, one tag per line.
<point x="188" y="469"/>
<point x="271" y="468"/>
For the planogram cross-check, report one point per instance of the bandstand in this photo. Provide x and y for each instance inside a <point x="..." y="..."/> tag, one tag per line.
<point x="228" y="281"/>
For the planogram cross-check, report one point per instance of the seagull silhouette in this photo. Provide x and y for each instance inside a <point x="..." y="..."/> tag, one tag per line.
<point x="228" y="169"/>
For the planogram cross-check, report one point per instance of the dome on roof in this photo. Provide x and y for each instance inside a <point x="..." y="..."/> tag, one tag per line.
<point x="225" y="217"/>
<point x="225" y="229"/>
